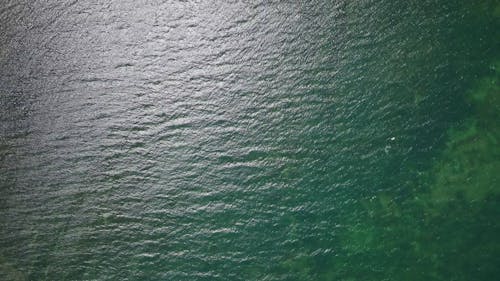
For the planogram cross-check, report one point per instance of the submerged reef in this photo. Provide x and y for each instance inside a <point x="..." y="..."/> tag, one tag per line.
<point x="470" y="164"/>
<point x="448" y="229"/>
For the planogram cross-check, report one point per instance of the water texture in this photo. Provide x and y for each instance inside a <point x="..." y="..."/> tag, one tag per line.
<point x="249" y="140"/>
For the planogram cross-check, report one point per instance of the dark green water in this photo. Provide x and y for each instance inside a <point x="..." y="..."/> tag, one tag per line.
<point x="249" y="140"/>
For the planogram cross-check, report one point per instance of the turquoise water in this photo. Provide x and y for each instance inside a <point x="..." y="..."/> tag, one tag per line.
<point x="249" y="140"/>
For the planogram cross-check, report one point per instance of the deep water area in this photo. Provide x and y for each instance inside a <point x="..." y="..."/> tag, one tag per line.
<point x="250" y="140"/>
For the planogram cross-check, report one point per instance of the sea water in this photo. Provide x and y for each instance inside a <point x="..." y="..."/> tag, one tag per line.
<point x="249" y="140"/>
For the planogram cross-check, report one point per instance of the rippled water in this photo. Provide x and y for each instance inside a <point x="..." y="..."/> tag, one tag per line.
<point x="225" y="140"/>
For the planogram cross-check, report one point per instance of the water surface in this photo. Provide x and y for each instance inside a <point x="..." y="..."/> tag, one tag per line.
<point x="248" y="140"/>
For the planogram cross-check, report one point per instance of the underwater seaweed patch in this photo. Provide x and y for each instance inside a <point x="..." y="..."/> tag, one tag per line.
<point x="470" y="163"/>
<point x="447" y="230"/>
